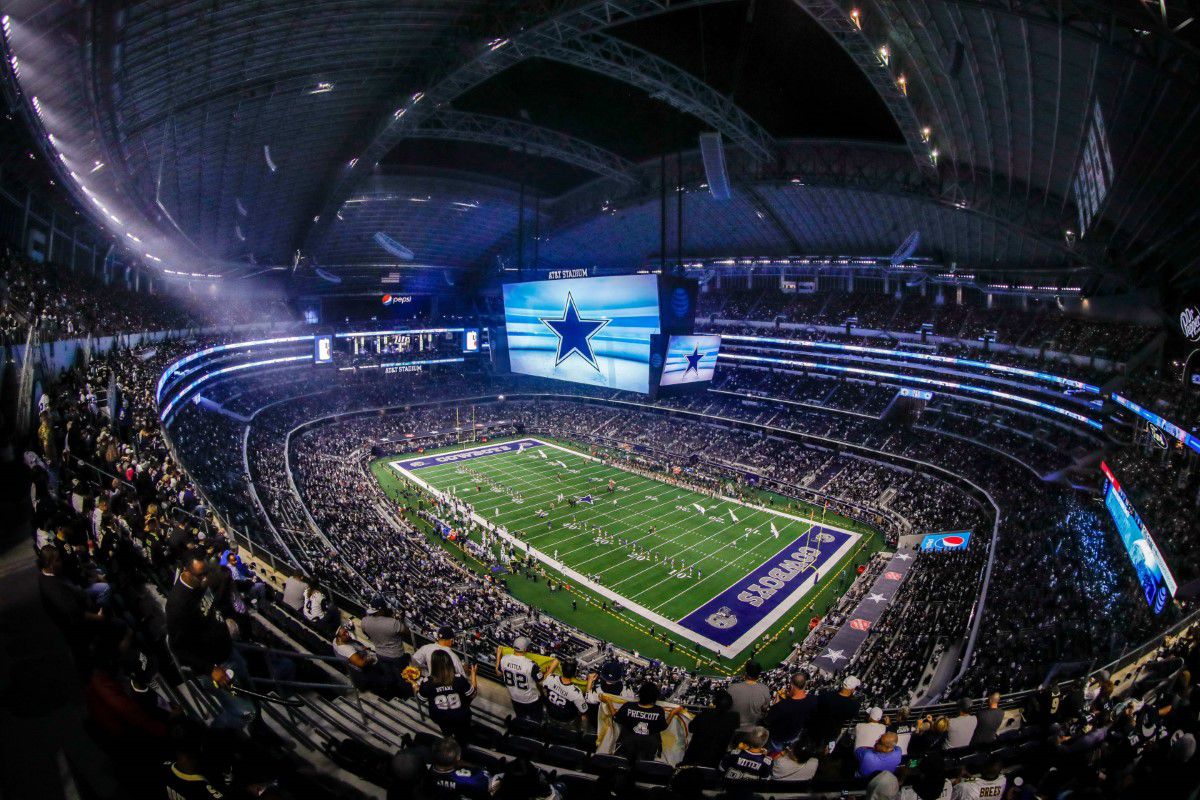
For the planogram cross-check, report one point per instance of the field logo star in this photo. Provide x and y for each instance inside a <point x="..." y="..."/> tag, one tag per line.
<point x="835" y="655"/>
<point x="574" y="333"/>
<point x="694" y="360"/>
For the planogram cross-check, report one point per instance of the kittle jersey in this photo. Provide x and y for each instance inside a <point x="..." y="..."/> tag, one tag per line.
<point x="566" y="702"/>
<point x="521" y="676"/>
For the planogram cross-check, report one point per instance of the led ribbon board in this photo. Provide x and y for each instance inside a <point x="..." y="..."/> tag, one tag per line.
<point x="1158" y="584"/>
<point x="895" y="376"/>
<point x="1045" y="377"/>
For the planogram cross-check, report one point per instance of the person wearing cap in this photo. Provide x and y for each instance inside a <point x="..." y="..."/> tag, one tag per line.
<point x="386" y="633"/>
<point x="835" y="709"/>
<point x="962" y="726"/>
<point x="445" y="642"/>
<point x="522" y="676"/>
<point x="866" y="734"/>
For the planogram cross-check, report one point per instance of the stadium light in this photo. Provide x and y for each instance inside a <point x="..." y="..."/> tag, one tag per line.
<point x="926" y="133"/>
<point x="855" y="18"/>
<point x="885" y="56"/>
<point x="902" y="82"/>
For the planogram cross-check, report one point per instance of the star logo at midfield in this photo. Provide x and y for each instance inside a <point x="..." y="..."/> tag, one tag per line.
<point x="694" y="360"/>
<point x="574" y="333"/>
<point x="876" y="597"/>
<point x="903" y="556"/>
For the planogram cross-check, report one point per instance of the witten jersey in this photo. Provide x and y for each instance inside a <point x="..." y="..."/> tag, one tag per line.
<point x="521" y="676"/>
<point x="565" y="700"/>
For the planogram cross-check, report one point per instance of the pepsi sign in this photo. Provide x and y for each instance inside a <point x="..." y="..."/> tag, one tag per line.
<point x="945" y="541"/>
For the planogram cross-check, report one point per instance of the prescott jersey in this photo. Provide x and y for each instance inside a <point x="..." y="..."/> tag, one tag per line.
<point x="464" y="782"/>
<point x="980" y="789"/>
<point x="564" y="700"/>
<point x="522" y="676"/>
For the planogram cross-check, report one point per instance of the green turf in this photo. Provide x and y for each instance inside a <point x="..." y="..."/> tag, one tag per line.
<point x="703" y="542"/>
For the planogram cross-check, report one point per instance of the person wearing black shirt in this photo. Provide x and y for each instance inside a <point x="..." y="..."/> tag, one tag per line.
<point x="711" y="732"/>
<point x="789" y="716"/>
<point x="641" y="724"/>
<point x="200" y="639"/>
<point x="65" y="604"/>
<point x="835" y="710"/>
<point x="449" y="696"/>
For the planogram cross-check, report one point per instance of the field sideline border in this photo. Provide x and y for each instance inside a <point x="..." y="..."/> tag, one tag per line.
<point x="731" y="651"/>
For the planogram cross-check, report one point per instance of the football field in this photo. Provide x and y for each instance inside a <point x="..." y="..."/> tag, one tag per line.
<point x="712" y="570"/>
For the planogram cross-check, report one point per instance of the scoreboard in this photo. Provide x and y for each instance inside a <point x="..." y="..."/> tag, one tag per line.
<point x="603" y="331"/>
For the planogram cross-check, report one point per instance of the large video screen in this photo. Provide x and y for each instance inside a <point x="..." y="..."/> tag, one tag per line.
<point x="1158" y="584"/>
<point x="585" y="330"/>
<point x="690" y="359"/>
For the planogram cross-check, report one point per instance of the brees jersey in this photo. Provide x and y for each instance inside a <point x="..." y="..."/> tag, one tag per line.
<point x="522" y="676"/>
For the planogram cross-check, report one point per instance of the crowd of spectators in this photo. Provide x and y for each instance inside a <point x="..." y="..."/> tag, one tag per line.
<point x="153" y="515"/>
<point x="66" y="304"/>
<point x="1034" y="324"/>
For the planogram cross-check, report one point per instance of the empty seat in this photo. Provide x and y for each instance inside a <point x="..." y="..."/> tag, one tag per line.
<point x="656" y="772"/>
<point x="524" y="746"/>
<point x="602" y="762"/>
<point x="561" y="755"/>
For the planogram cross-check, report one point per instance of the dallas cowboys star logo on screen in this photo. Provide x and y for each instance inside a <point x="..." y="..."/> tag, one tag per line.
<point x="694" y="360"/>
<point x="574" y="333"/>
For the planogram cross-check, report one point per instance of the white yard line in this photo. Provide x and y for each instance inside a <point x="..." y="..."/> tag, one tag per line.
<point x="727" y="651"/>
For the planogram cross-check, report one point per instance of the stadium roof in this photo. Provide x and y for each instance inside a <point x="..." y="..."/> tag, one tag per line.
<point x="231" y="135"/>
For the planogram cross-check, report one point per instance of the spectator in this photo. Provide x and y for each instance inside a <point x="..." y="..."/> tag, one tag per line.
<point x="565" y="703"/>
<point x="797" y="763"/>
<point x="522" y="677"/>
<point x="449" y="696"/>
<point x="318" y="610"/>
<point x="989" y="719"/>
<point x="641" y="724"/>
<point x="183" y="776"/>
<point x="883" y="786"/>
<point x="201" y="640"/>
<point x="386" y="633"/>
<point x="444" y="643"/>
<point x="750" y="698"/>
<point x="789" y="715"/>
<point x="449" y="777"/>
<point x="66" y="605"/>
<point x="930" y="736"/>
<point x="962" y="726"/>
<point x="929" y="782"/>
<point x="711" y="732"/>
<point x="366" y="671"/>
<point x="750" y="760"/>
<point x="989" y="783"/>
<point x="884" y="756"/>
<point x="835" y="709"/>
<point x="867" y="733"/>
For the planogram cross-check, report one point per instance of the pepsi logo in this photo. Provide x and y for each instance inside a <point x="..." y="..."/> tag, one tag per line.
<point x="860" y="624"/>
<point x="953" y="541"/>
<point x="892" y="576"/>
